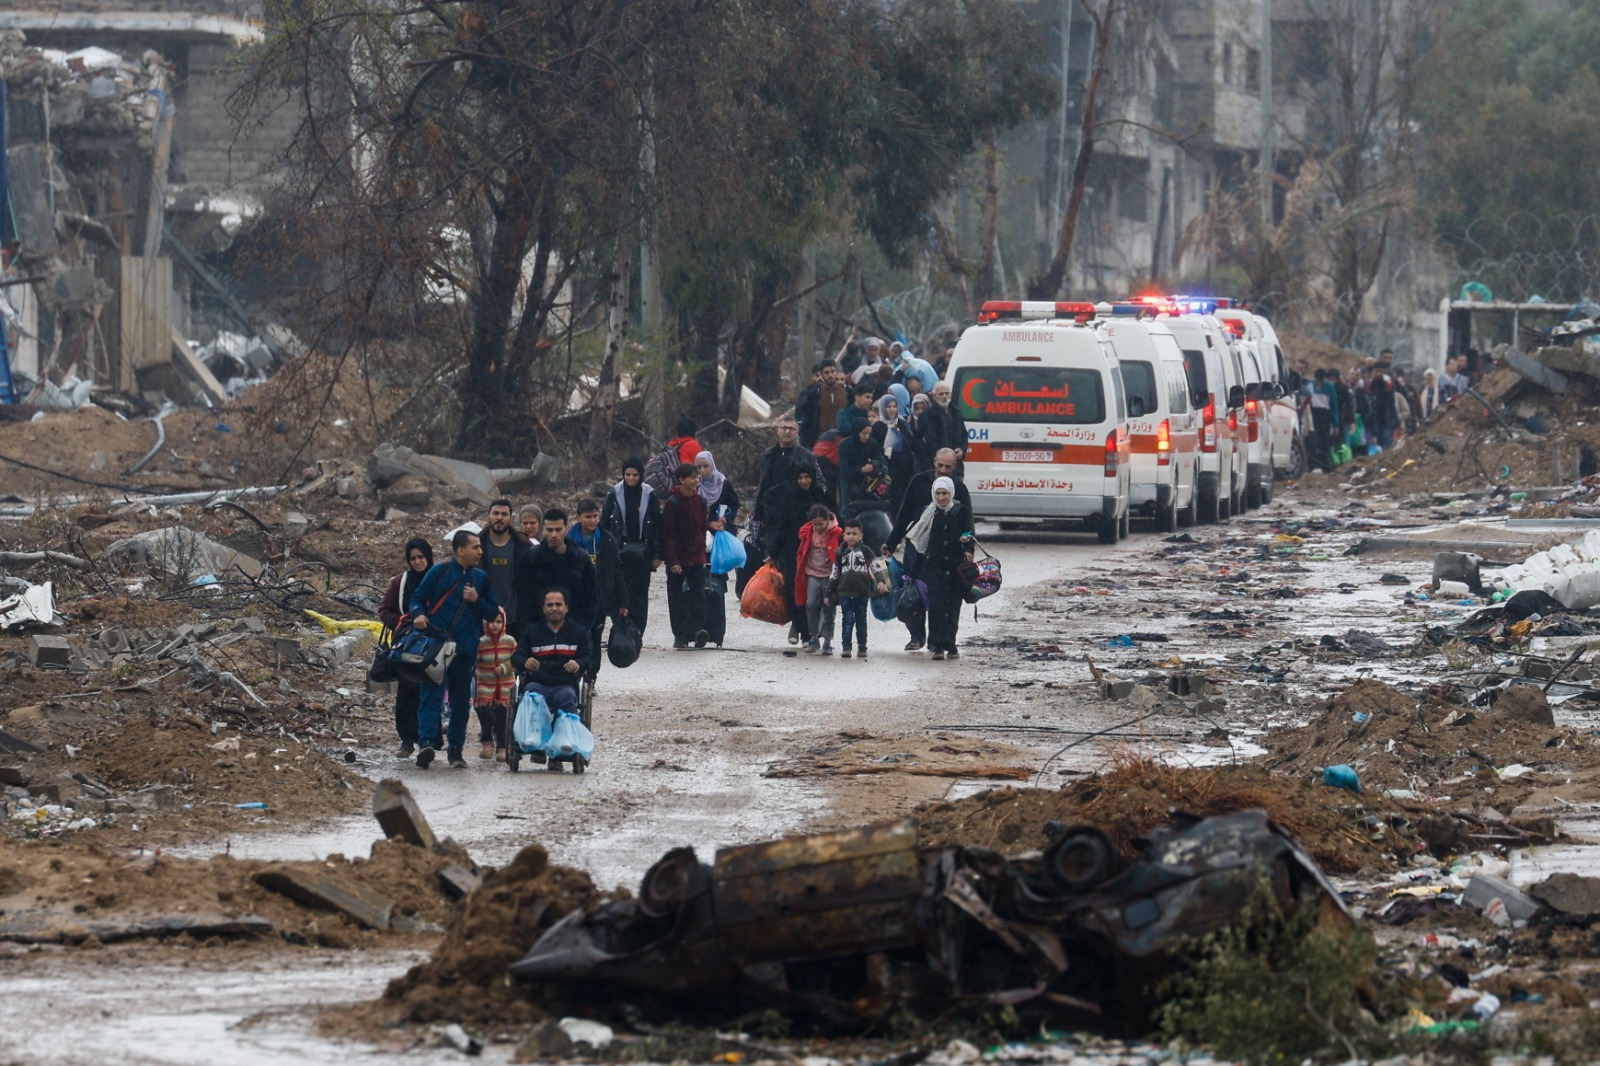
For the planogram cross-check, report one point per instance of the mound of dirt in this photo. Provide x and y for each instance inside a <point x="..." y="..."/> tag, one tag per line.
<point x="210" y="773"/>
<point x="63" y="889"/>
<point x="1440" y="751"/>
<point x="466" y="980"/>
<point x="1137" y="797"/>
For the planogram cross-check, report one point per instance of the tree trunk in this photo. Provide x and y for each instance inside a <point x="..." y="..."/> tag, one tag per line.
<point x="608" y="392"/>
<point x="491" y="383"/>
<point x="991" y="221"/>
<point x="1049" y="286"/>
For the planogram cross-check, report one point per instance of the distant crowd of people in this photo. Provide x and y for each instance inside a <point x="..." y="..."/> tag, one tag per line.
<point x="1377" y="404"/>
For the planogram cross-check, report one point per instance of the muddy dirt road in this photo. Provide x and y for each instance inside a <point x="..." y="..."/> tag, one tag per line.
<point x="684" y="738"/>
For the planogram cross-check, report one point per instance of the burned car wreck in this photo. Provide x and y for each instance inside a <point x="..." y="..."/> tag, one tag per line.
<point x="848" y="925"/>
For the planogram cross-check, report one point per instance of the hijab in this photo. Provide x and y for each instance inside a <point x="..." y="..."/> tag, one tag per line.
<point x="918" y="534"/>
<point x="409" y="578"/>
<point x="710" y="484"/>
<point x="894" y="437"/>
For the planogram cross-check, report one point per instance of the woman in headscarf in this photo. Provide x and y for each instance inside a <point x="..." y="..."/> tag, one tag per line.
<point x="631" y="515"/>
<point x="785" y="507"/>
<point x="943" y="539"/>
<point x="899" y="443"/>
<point x="862" y="469"/>
<point x="408" y="694"/>
<point x="716" y="488"/>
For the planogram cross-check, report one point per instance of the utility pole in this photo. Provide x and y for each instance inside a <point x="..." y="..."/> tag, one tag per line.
<point x="1269" y="131"/>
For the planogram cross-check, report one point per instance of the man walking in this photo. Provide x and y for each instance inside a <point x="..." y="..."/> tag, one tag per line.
<point x="919" y="494"/>
<point x="779" y="463"/>
<point x="503" y="549"/>
<point x="555" y="564"/>
<point x="456" y="598"/>
<point x="943" y="427"/>
<point x="601" y="548"/>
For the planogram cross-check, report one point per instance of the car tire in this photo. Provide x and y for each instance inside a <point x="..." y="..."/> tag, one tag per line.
<point x="1269" y="487"/>
<point x="1297" y="460"/>
<point x="1167" y="517"/>
<point x="1107" y="530"/>
<point x="1189" y="515"/>
<point x="1209" y="505"/>
<point x="1224" y="506"/>
<point x="1125" y="524"/>
<point x="1252" y="497"/>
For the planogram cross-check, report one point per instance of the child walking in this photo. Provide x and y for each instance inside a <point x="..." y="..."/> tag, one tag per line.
<point x="496" y="687"/>
<point x="819" y="543"/>
<point x="851" y="585"/>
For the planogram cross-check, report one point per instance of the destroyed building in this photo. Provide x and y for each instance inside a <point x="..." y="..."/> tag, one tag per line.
<point x="125" y="177"/>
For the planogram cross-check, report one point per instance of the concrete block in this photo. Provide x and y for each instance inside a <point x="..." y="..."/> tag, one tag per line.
<point x="399" y="816"/>
<point x="1484" y="889"/>
<point x="1566" y="893"/>
<point x="346" y="646"/>
<point x="249" y="624"/>
<point x="156" y="797"/>
<point x="345" y="488"/>
<point x="48" y="651"/>
<point x="16" y="776"/>
<point x="286" y="648"/>
<point x="329" y="890"/>
<point x="1117" y="690"/>
<point x="458" y="882"/>
<point x="295" y="525"/>
<point x="114" y="641"/>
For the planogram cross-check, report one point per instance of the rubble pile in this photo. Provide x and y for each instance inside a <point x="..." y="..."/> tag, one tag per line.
<point x="467" y="980"/>
<point x="1139" y="795"/>
<point x="84" y="893"/>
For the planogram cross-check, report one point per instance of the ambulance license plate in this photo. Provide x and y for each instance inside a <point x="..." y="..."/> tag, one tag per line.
<point x="1008" y="456"/>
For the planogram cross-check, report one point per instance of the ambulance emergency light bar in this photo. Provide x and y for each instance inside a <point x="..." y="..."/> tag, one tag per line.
<point x="994" y="310"/>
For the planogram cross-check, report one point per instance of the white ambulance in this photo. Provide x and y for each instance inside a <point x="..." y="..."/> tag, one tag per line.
<point x="1040" y="387"/>
<point x="1163" y="425"/>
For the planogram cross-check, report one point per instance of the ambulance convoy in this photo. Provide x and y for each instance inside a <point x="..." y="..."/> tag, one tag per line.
<point x="1084" y="415"/>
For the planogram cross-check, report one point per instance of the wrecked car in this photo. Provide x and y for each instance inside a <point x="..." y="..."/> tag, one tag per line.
<point x="848" y="925"/>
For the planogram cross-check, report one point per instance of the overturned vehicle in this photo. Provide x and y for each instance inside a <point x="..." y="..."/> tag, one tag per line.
<point x="850" y="925"/>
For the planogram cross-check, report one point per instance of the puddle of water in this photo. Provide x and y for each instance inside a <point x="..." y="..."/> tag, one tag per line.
<point x="76" y="1010"/>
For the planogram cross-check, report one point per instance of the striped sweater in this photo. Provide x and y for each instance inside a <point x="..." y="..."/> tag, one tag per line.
<point x="494" y="690"/>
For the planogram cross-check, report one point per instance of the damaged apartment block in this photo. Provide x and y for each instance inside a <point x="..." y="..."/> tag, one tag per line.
<point x="122" y="191"/>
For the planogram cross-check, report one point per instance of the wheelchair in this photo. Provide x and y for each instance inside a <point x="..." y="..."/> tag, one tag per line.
<point x="515" y="755"/>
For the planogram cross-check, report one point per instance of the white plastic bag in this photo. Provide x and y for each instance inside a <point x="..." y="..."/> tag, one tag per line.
<point x="569" y="737"/>
<point x="531" y="728"/>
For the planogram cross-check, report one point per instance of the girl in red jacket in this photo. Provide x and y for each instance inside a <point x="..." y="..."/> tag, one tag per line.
<point x="813" y="565"/>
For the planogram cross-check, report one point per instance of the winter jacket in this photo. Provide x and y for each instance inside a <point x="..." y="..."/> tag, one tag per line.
<point x="606" y="556"/>
<point x="853" y="455"/>
<point x="786" y="510"/>
<point x="942" y="427"/>
<point x="494" y="690"/>
<point x="614" y="521"/>
<point x="778" y="468"/>
<point x="439" y="597"/>
<point x="807" y="533"/>
<point x="945" y="548"/>
<point x="918" y="495"/>
<point x="683" y="530"/>
<point x="397" y="597"/>
<point x="852" y="572"/>
<point x="543" y="569"/>
<point x="729" y="498"/>
<point x="687" y="447"/>
<point x="543" y="653"/>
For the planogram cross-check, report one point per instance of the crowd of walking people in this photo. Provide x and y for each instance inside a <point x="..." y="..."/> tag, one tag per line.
<point x="1376" y="405"/>
<point x="870" y="464"/>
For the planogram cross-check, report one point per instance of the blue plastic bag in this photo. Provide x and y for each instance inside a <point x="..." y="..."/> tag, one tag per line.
<point x="531" y="728"/>
<point x="883" y="607"/>
<point x="727" y="554"/>
<point x="569" y="737"/>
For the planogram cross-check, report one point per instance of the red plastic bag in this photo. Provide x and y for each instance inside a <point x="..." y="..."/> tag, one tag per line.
<point x="763" y="597"/>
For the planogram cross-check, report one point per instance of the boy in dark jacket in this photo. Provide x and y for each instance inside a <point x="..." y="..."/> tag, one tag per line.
<point x="602" y="549"/>
<point x="683" y="544"/>
<point x="851" y="585"/>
